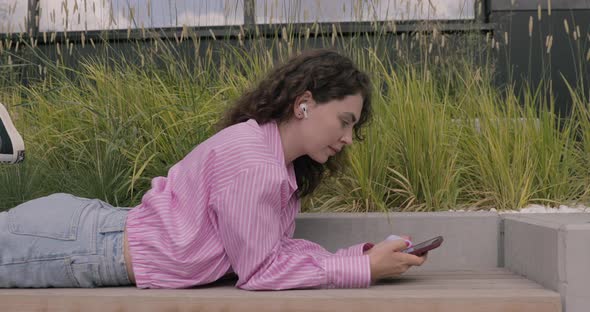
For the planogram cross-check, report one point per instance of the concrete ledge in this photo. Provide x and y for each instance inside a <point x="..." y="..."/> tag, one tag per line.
<point x="549" y="251"/>
<point x="451" y="291"/>
<point x="472" y="239"/>
<point x="553" y="250"/>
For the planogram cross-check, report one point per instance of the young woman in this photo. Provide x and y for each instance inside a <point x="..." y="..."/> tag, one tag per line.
<point x="228" y="207"/>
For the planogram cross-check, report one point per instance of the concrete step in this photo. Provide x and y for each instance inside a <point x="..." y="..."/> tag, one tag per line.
<point x="441" y="291"/>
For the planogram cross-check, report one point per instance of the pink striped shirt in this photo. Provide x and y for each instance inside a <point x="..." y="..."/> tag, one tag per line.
<point x="230" y="206"/>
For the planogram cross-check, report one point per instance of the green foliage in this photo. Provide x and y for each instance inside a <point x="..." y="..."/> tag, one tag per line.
<point x="442" y="136"/>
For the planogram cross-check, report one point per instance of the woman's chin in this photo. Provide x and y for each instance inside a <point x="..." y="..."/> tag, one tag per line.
<point x="322" y="159"/>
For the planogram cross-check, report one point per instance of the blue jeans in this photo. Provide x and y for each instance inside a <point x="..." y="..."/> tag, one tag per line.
<point x="62" y="241"/>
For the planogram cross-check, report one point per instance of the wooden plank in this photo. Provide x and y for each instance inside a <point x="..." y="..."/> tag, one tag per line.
<point x="483" y="291"/>
<point x="146" y="303"/>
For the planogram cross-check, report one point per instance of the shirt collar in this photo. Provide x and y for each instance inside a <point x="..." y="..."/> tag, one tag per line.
<point x="273" y="139"/>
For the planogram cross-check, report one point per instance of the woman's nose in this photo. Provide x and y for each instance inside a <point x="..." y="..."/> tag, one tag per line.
<point x="347" y="138"/>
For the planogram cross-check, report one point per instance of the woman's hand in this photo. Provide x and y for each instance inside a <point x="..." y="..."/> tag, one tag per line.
<point x="387" y="260"/>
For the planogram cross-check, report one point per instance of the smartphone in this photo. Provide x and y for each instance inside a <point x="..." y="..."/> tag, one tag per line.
<point x="420" y="249"/>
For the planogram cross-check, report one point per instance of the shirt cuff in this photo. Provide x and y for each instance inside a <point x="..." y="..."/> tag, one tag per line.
<point x="355" y="250"/>
<point x="348" y="271"/>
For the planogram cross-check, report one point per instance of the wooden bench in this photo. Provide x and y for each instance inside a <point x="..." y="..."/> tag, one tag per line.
<point x="473" y="291"/>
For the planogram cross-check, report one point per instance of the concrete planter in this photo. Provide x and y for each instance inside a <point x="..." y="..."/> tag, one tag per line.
<point x="550" y="249"/>
<point x="472" y="239"/>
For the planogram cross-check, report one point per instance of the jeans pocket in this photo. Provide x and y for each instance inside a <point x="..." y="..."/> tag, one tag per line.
<point x="56" y="216"/>
<point x="85" y="270"/>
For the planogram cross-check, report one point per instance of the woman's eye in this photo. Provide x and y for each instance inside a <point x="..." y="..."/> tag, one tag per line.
<point x="345" y="123"/>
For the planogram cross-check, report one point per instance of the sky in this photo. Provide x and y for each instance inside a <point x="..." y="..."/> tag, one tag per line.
<point x="122" y="14"/>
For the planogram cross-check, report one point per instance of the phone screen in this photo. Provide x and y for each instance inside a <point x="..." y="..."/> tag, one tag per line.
<point x="422" y="248"/>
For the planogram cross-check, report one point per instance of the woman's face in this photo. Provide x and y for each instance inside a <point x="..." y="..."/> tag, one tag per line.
<point x="329" y="126"/>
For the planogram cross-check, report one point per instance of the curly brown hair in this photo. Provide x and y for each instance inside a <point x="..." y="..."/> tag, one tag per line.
<point x="328" y="75"/>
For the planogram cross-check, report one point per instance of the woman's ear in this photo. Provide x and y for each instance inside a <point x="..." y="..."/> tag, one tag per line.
<point x="297" y="108"/>
<point x="300" y="110"/>
<point x="301" y="107"/>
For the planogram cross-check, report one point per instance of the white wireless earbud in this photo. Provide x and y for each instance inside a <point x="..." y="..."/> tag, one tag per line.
<point x="303" y="108"/>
